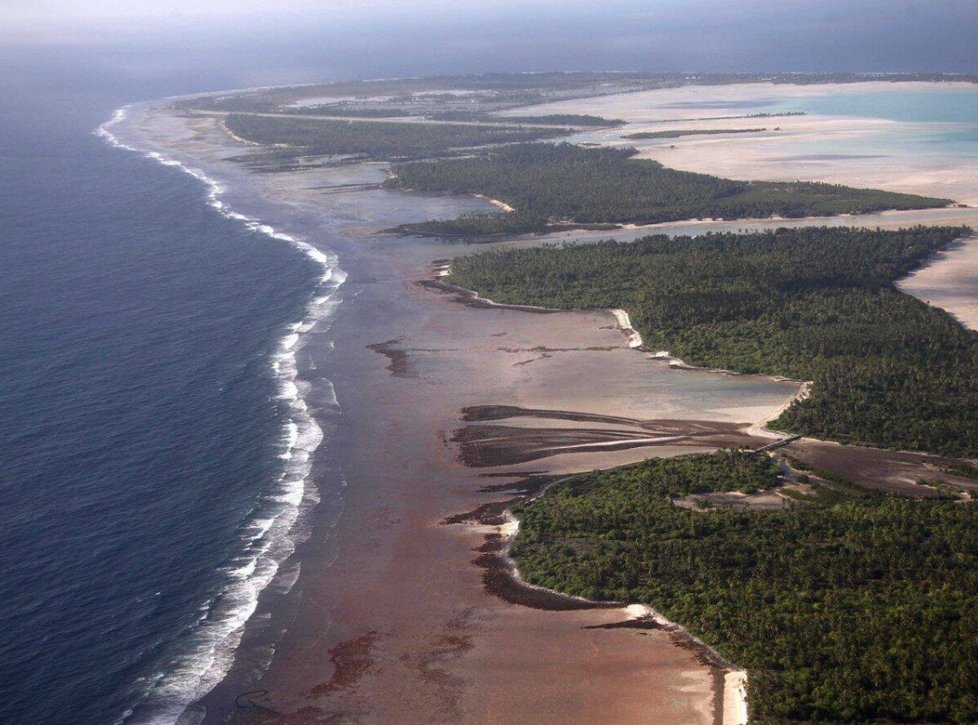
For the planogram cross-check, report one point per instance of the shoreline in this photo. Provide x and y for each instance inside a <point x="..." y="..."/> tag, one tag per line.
<point x="291" y="496"/>
<point x="633" y="339"/>
<point x="212" y="703"/>
<point x="393" y="529"/>
<point x="499" y="536"/>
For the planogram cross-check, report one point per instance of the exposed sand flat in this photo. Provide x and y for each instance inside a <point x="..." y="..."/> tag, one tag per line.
<point x="786" y="153"/>
<point x="736" y="99"/>
<point x="950" y="281"/>
<point x="882" y="470"/>
<point x="771" y="157"/>
<point x="549" y="688"/>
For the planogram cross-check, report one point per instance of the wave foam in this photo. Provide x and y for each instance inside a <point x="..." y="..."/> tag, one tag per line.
<point x="269" y="539"/>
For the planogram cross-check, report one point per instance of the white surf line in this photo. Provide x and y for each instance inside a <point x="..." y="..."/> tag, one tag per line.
<point x="104" y="133"/>
<point x="266" y="542"/>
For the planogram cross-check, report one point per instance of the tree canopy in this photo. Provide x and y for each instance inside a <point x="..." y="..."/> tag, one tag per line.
<point x="813" y="304"/>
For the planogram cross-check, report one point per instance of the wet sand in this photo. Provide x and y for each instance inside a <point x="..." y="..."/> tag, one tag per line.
<point x="390" y="619"/>
<point x="402" y="599"/>
<point x="950" y="281"/>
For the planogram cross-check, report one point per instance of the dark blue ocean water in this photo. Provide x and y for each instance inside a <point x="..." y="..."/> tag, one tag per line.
<point x="140" y="419"/>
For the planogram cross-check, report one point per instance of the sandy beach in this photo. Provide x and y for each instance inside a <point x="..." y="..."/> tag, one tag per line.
<point x="446" y="407"/>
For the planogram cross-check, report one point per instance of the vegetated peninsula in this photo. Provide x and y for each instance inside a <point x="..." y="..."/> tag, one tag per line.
<point x="550" y="119"/>
<point x="566" y="185"/>
<point x="813" y="304"/>
<point x="849" y="607"/>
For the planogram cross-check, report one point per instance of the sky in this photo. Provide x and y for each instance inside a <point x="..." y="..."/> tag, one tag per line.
<point x="266" y="42"/>
<point x="869" y="10"/>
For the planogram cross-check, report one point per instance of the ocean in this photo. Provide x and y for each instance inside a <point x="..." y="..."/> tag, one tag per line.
<point x="154" y="445"/>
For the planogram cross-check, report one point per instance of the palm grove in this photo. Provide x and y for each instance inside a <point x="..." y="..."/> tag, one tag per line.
<point x="846" y="606"/>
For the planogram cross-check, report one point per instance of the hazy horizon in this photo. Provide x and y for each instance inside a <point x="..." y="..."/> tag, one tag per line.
<point x="305" y="42"/>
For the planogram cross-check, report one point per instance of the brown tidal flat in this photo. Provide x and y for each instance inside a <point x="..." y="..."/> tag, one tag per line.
<point x="403" y="611"/>
<point x="405" y="625"/>
<point x="917" y="475"/>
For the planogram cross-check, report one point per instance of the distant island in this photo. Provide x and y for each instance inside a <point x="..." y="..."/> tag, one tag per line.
<point x="544" y="186"/>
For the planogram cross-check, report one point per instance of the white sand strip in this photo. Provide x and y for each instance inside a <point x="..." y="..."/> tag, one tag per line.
<point x="625" y="324"/>
<point x="735" y="698"/>
<point x="234" y="136"/>
<point x="759" y="428"/>
<point x="495" y="202"/>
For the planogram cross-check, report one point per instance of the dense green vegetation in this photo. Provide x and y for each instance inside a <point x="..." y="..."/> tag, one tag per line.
<point x="679" y="133"/>
<point x="550" y="119"/>
<point x="813" y="304"/>
<point x="854" y="611"/>
<point x="374" y="139"/>
<point x="350" y="111"/>
<point x="568" y="183"/>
